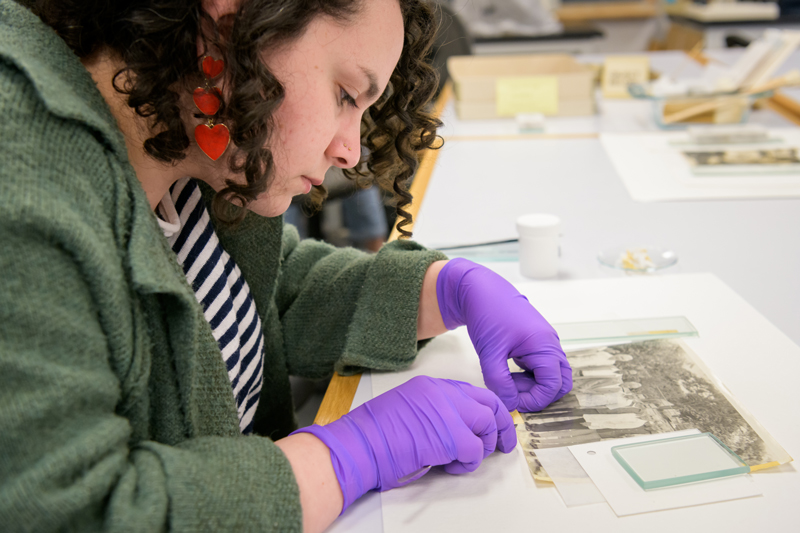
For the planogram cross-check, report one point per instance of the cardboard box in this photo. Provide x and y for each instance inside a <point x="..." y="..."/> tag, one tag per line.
<point x="505" y="86"/>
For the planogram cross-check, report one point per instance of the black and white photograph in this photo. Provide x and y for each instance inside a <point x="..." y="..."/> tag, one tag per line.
<point x="649" y="387"/>
<point x="754" y="161"/>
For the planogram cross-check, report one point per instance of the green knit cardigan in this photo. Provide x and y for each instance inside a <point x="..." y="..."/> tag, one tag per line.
<point x="116" y="411"/>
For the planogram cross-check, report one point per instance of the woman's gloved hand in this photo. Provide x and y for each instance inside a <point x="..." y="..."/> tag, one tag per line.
<point x="423" y="422"/>
<point x="502" y="324"/>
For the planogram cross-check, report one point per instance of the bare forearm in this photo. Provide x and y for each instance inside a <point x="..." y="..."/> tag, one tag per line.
<point x="429" y="319"/>
<point x="320" y="495"/>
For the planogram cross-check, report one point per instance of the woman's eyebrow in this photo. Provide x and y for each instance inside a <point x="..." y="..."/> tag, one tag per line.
<point x="372" y="91"/>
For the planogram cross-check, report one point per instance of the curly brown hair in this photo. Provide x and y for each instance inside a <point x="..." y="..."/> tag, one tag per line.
<point x="157" y="41"/>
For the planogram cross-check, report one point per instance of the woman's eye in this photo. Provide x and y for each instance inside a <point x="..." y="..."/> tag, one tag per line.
<point x="345" y="98"/>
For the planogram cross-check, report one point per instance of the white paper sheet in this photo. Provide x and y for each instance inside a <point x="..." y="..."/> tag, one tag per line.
<point x="626" y="497"/>
<point x="437" y="501"/>
<point x="654" y="170"/>
<point x="574" y="485"/>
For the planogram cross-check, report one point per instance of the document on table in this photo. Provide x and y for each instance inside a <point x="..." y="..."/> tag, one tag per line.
<point x="654" y="168"/>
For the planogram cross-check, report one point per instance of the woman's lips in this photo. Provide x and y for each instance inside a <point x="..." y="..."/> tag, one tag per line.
<point x="309" y="182"/>
<point x="306" y="185"/>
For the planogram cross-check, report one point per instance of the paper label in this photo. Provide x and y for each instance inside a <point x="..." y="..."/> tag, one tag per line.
<point x="619" y="71"/>
<point x="527" y="94"/>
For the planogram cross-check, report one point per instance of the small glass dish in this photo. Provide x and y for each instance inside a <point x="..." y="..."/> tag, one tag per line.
<point x="637" y="259"/>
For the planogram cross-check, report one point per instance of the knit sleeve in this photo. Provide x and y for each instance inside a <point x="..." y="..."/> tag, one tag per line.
<point x="70" y="459"/>
<point x="347" y="310"/>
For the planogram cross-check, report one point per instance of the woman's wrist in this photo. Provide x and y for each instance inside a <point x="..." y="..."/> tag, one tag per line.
<point x="429" y="319"/>
<point x="320" y="495"/>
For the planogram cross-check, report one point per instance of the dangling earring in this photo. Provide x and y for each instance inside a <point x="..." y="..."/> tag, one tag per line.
<point x="213" y="139"/>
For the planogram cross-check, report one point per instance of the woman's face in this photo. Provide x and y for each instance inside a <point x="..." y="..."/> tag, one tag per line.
<point x="331" y="74"/>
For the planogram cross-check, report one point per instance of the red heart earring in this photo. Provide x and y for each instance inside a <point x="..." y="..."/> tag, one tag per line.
<point x="212" y="67"/>
<point x="213" y="139"/>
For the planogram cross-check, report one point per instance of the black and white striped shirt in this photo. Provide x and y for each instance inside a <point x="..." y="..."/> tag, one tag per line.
<point x="221" y="290"/>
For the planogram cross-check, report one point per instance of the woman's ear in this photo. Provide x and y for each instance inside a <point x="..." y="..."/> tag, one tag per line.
<point x="219" y="8"/>
<point x="222" y="12"/>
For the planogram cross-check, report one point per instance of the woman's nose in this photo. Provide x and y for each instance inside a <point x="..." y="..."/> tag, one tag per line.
<point x="345" y="149"/>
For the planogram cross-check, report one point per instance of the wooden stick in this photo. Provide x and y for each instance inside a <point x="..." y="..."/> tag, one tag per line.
<point x="699" y="109"/>
<point x="785" y="106"/>
<point x="338" y="398"/>
<point x="697" y="54"/>
<point x="790" y="78"/>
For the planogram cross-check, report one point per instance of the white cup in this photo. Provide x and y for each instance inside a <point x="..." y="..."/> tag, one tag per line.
<point x="538" y="245"/>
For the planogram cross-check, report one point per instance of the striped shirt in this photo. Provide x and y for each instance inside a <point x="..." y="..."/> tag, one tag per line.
<point x="221" y="290"/>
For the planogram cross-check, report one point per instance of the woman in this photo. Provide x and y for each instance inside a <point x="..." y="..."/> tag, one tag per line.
<point x="148" y="151"/>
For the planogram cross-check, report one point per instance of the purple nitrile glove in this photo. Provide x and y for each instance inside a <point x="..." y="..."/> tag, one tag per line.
<point x="423" y="422"/>
<point x="502" y="324"/>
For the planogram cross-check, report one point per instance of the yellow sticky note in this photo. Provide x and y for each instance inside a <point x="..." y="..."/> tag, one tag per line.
<point x="619" y="71"/>
<point x="527" y="94"/>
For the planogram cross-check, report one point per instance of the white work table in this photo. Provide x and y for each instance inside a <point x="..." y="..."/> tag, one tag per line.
<point x="756" y="362"/>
